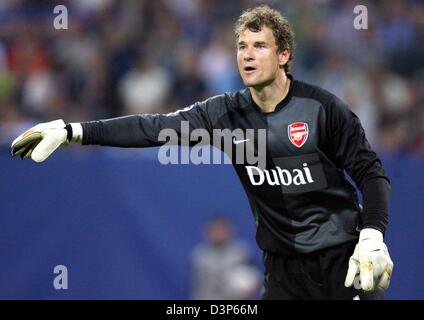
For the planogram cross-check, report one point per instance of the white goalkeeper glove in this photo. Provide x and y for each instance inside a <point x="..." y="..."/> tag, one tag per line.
<point x="372" y="260"/>
<point x="42" y="140"/>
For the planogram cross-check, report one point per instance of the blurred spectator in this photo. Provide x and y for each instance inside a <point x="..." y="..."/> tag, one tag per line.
<point x="222" y="266"/>
<point x="145" y="87"/>
<point x="187" y="81"/>
<point x="217" y="63"/>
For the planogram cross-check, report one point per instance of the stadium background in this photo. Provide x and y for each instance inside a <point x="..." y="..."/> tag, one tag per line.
<point x="123" y="224"/>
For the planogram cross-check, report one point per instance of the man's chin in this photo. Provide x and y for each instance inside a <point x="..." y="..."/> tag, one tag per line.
<point x="253" y="82"/>
<point x="250" y="83"/>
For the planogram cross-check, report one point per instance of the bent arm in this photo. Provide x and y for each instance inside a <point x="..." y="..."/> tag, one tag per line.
<point x="354" y="154"/>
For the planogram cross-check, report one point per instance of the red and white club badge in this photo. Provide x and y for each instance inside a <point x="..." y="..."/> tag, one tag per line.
<point x="298" y="133"/>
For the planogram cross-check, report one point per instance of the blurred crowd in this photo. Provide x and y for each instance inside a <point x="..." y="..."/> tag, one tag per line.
<point x="121" y="57"/>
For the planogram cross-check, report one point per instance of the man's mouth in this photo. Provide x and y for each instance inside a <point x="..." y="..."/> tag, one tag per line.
<point x="249" y="69"/>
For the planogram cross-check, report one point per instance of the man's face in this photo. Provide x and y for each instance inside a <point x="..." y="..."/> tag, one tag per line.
<point x="257" y="57"/>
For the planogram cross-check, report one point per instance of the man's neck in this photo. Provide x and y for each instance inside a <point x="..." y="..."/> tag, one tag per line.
<point x="269" y="96"/>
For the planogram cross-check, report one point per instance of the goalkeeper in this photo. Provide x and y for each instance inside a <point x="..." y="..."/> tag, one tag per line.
<point x="317" y="241"/>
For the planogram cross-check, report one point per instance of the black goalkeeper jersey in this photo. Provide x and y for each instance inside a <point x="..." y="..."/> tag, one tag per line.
<point x="301" y="201"/>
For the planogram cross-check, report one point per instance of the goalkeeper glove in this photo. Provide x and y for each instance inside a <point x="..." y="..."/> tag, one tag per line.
<point x="40" y="141"/>
<point x="371" y="258"/>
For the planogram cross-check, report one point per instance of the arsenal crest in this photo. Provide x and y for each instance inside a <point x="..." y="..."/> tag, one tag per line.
<point x="298" y="133"/>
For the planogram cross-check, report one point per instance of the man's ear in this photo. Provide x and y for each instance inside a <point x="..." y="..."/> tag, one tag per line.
<point x="283" y="57"/>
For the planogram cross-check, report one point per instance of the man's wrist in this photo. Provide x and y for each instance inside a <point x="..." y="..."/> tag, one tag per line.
<point x="370" y="233"/>
<point x="74" y="132"/>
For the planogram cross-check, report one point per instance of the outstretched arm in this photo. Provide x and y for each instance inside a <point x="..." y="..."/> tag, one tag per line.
<point x="144" y="130"/>
<point x="42" y="140"/>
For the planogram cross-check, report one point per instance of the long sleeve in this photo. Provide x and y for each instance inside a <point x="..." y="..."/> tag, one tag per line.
<point x="144" y="130"/>
<point x="375" y="198"/>
<point x="354" y="154"/>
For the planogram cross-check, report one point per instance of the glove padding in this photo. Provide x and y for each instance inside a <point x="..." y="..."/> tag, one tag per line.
<point x="371" y="258"/>
<point x="40" y="141"/>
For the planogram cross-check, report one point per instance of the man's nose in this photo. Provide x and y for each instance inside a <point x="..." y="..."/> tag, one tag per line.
<point x="248" y="55"/>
